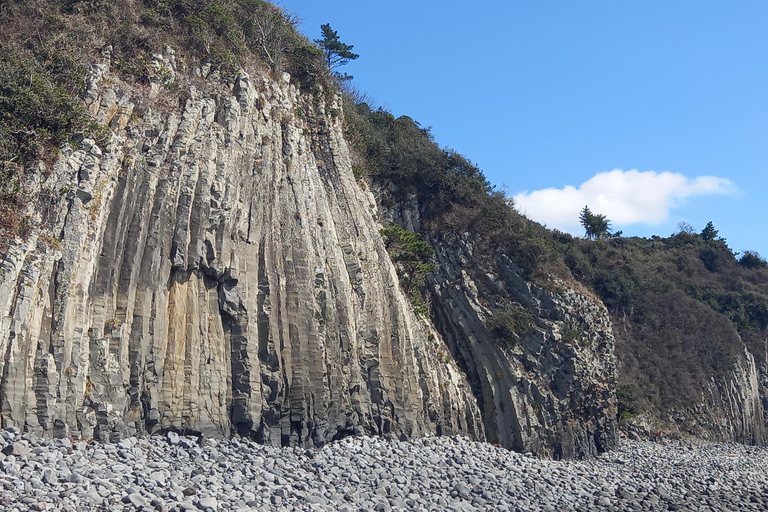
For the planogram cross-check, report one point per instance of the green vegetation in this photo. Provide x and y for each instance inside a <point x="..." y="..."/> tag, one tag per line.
<point x="709" y="233"/>
<point x="510" y="323"/>
<point x="682" y="306"/>
<point x="573" y="333"/>
<point x="336" y="53"/>
<point x="221" y="35"/>
<point x="41" y="79"/>
<point x="410" y="254"/>
<point x="751" y="259"/>
<point x="628" y="401"/>
<point x="597" y="226"/>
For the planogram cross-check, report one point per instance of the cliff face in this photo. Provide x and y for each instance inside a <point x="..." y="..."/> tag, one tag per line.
<point x="553" y="390"/>
<point x="735" y="407"/>
<point x="697" y="366"/>
<point x="216" y="268"/>
<point x="731" y="408"/>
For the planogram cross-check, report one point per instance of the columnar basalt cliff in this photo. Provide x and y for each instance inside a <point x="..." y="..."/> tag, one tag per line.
<point x="731" y="408"/>
<point x="211" y="256"/>
<point x="737" y="406"/>
<point x="553" y="390"/>
<point x="216" y="268"/>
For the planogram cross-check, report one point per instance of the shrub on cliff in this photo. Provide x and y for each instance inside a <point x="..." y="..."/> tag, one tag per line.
<point x="509" y="323"/>
<point x="41" y="80"/>
<point x="46" y="48"/>
<point x="411" y="256"/>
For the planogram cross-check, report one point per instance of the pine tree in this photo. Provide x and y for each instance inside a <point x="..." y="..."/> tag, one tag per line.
<point x="336" y="53"/>
<point x="595" y="225"/>
<point x="585" y="217"/>
<point x="709" y="232"/>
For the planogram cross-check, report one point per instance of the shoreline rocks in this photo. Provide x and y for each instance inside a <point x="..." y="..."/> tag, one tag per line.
<point x="166" y="473"/>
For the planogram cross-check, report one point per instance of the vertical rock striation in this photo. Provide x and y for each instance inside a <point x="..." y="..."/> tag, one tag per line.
<point x="731" y="408"/>
<point x="552" y="392"/>
<point x="217" y="269"/>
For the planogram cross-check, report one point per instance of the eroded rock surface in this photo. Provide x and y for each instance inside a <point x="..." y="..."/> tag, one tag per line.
<point x="217" y="269"/>
<point x="552" y="391"/>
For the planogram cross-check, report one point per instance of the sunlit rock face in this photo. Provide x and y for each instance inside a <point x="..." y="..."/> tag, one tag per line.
<point x="216" y="269"/>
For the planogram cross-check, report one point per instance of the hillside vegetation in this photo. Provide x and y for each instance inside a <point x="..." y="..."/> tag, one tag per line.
<point x="683" y="307"/>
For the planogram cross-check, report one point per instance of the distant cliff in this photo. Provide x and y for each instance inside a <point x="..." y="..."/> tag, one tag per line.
<point x="688" y="317"/>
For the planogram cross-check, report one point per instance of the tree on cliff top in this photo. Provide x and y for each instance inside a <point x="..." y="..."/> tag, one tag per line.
<point x="709" y="232"/>
<point x="595" y="225"/>
<point x="336" y="53"/>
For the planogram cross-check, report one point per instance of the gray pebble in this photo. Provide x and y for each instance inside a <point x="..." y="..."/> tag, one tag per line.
<point x="172" y="472"/>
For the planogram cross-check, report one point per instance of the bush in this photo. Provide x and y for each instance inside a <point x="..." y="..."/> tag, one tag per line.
<point x="410" y="254"/>
<point x="628" y="401"/>
<point x="710" y="258"/>
<point x="399" y="150"/>
<point x="510" y="323"/>
<point x="751" y="259"/>
<point x="573" y="333"/>
<point x="39" y="105"/>
<point x="41" y="79"/>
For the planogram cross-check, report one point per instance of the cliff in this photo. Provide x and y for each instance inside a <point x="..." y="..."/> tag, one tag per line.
<point x="550" y="387"/>
<point x="193" y="242"/>
<point x="217" y="269"/>
<point x="212" y="266"/>
<point x="687" y="320"/>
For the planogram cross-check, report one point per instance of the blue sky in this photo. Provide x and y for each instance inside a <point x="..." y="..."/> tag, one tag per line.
<point x="651" y="112"/>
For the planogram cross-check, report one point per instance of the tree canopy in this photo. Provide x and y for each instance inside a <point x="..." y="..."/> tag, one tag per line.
<point x="336" y="53"/>
<point x="595" y="225"/>
<point x="709" y="232"/>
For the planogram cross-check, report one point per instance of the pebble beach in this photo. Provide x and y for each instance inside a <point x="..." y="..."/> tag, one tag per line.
<point x="179" y="473"/>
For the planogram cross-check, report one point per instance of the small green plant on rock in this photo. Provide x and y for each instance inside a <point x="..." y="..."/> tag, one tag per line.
<point x="509" y="323"/>
<point x="410" y="254"/>
<point x="627" y="401"/>
<point x="574" y="333"/>
<point x="51" y="241"/>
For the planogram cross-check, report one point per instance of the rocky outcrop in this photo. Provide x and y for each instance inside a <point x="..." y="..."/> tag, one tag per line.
<point x="734" y="406"/>
<point x="215" y="269"/>
<point x="552" y="392"/>
<point x="731" y="408"/>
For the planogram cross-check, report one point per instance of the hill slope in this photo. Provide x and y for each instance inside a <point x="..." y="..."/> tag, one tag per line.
<point x="689" y="319"/>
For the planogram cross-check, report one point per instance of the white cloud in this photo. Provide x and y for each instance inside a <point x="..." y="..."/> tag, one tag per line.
<point x="625" y="197"/>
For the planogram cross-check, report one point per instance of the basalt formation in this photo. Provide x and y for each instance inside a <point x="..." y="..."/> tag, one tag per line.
<point x="216" y="268"/>
<point x="215" y="265"/>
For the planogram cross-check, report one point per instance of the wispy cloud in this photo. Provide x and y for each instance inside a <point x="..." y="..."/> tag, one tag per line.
<point x="625" y="197"/>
